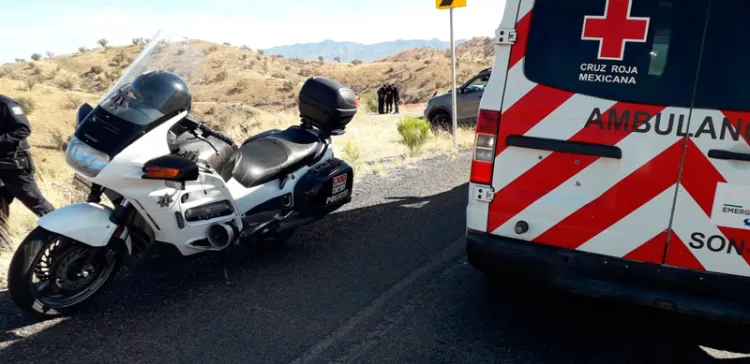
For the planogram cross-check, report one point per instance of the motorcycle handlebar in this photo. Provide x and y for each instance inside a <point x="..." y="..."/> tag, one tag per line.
<point x="206" y="130"/>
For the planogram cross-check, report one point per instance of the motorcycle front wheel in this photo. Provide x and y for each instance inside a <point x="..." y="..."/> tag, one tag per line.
<point x="51" y="275"/>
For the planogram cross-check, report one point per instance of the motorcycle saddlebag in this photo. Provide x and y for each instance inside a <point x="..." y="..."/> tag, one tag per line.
<point x="324" y="188"/>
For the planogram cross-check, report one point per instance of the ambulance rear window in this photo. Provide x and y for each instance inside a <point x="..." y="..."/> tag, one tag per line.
<point x="645" y="54"/>
<point x="724" y="81"/>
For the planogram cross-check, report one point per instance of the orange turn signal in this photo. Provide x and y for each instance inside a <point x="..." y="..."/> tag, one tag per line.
<point x="159" y="172"/>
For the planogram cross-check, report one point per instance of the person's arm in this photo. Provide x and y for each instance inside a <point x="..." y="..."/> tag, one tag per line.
<point x="18" y="127"/>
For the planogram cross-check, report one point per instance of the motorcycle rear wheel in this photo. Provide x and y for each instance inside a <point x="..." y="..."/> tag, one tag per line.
<point x="69" y="273"/>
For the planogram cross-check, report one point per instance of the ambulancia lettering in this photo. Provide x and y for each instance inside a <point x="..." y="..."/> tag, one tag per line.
<point x="667" y="124"/>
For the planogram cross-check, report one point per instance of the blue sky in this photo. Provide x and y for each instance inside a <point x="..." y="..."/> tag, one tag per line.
<point x="39" y="26"/>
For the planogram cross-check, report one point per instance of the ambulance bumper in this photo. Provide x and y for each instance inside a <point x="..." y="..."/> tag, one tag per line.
<point x="718" y="296"/>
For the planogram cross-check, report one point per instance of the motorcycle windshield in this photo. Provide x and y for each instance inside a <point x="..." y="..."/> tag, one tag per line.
<point x="134" y="105"/>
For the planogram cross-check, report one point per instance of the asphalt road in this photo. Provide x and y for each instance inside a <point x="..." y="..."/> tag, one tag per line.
<point x="384" y="281"/>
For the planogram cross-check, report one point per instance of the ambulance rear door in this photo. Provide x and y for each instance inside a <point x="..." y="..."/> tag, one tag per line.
<point x="594" y="121"/>
<point x="711" y="228"/>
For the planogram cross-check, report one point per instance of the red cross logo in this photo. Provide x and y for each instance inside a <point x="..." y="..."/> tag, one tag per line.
<point x="615" y="28"/>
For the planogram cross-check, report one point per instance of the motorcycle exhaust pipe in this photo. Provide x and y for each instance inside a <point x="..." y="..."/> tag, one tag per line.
<point x="221" y="235"/>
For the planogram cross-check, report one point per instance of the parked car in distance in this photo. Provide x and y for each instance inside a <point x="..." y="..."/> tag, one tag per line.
<point x="439" y="109"/>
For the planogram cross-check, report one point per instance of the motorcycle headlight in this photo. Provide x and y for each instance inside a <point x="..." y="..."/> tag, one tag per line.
<point x="84" y="158"/>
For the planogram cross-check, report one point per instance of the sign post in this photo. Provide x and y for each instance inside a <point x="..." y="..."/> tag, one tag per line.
<point x="450" y="4"/>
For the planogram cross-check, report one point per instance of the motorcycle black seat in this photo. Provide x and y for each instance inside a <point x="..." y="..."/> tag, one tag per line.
<point x="264" y="158"/>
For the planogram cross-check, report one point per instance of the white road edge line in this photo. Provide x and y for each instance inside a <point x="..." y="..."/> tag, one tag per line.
<point x="451" y="252"/>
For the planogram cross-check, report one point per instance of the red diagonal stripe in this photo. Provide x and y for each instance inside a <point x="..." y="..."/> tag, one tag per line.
<point x="738" y="241"/>
<point x="531" y="109"/>
<point x="679" y="255"/>
<point x="734" y="117"/>
<point x="621" y="200"/>
<point x="557" y="168"/>
<point x="518" y="51"/>
<point x="699" y="177"/>
<point x="651" y="251"/>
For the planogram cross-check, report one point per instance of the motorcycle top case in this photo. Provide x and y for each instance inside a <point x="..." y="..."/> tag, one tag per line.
<point x="324" y="188"/>
<point x="327" y="104"/>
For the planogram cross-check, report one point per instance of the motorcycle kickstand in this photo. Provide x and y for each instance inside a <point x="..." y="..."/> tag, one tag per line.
<point x="225" y="264"/>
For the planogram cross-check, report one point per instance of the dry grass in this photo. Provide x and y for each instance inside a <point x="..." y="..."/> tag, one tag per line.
<point x="263" y="97"/>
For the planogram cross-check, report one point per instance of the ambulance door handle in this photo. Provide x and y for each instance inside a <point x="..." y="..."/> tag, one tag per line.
<point x="727" y="155"/>
<point x="564" y="146"/>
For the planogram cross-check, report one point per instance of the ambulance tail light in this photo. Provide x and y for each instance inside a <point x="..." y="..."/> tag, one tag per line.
<point x="482" y="164"/>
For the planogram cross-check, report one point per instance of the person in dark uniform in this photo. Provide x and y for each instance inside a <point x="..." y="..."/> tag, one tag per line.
<point x="16" y="165"/>
<point x="381" y="100"/>
<point x="388" y="99"/>
<point x="396" y="96"/>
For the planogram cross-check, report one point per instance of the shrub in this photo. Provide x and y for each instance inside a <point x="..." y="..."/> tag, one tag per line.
<point x="221" y="76"/>
<point x="103" y="42"/>
<point x="73" y="101"/>
<point x="261" y="52"/>
<point x="67" y="83"/>
<point x="414" y="133"/>
<point x="288" y="86"/>
<point x="27" y="104"/>
<point x="50" y="54"/>
<point x="353" y="158"/>
<point x="242" y="85"/>
<point x="370" y="100"/>
<point x="61" y="140"/>
<point x="36" y="56"/>
<point x="31" y="82"/>
<point x="82" y="49"/>
<point x="96" y="70"/>
<point x="356" y="62"/>
<point x="337" y="59"/>
<point x="321" y="59"/>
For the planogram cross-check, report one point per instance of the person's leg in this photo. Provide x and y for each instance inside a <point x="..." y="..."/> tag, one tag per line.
<point x="22" y="185"/>
<point x="6" y="240"/>
<point x="395" y="104"/>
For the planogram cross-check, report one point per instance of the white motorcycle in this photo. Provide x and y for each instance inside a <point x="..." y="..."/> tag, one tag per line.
<point x="178" y="187"/>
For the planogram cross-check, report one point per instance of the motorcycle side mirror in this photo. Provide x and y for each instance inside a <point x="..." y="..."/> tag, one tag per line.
<point x="171" y="168"/>
<point x="83" y="112"/>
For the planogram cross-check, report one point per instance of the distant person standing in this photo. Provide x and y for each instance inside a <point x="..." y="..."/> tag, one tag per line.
<point x="388" y="99"/>
<point x="396" y="96"/>
<point x="381" y="100"/>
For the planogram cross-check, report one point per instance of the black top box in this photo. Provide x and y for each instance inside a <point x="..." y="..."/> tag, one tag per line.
<point x="327" y="104"/>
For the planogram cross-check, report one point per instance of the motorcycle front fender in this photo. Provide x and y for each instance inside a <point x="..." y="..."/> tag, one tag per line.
<point x="85" y="222"/>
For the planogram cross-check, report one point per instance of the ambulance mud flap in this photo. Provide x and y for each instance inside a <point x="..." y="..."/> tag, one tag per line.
<point x="564" y="146"/>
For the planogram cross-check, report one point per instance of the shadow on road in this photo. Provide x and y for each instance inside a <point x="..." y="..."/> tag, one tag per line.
<point x="284" y="299"/>
<point x="563" y="327"/>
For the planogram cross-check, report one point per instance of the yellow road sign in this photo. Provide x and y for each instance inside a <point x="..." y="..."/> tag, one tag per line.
<point x="447" y="4"/>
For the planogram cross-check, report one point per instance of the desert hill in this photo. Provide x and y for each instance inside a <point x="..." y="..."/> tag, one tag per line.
<point x="478" y="49"/>
<point x="349" y="51"/>
<point x="240" y="75"/>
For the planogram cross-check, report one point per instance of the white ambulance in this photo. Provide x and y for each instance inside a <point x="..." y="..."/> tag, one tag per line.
<point x="611" y="154"/>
